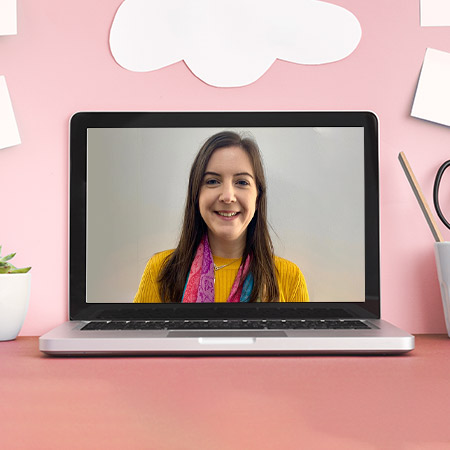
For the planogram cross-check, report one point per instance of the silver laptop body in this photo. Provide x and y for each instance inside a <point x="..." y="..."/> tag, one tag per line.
<point x="128" y="179"/>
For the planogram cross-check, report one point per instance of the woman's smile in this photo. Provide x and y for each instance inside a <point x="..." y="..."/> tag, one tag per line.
<point x="227" y="214"/>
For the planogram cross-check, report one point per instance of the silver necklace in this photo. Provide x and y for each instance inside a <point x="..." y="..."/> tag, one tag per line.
<point x="216" y="268"/>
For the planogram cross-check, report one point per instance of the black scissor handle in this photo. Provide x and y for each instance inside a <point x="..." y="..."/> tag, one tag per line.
<point x="437" y="182"/>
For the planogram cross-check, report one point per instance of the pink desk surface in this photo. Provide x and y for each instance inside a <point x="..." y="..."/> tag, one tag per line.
<point x="395" y="402"/>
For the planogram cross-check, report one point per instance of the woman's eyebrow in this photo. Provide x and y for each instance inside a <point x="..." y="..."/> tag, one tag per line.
<point x="243" y="173"/>
<point x="240" y="174"/>
<point x="211" y="173"/>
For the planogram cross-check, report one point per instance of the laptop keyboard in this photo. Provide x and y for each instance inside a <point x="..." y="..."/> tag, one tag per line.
<point x="226" y="325"/>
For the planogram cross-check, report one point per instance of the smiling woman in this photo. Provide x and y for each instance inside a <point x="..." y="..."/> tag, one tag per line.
<point x="225" y="253"/>
<point x="227" y="200"/>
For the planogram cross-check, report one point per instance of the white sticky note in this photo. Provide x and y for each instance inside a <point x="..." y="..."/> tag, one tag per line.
<point x="9" y="133"/>
<point x="8" y="17"/>
<point x="233" y="43"/>
<point x="434" y="13"/>
<point x="432" y="100"/>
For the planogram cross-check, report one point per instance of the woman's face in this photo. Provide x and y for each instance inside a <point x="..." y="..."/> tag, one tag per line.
<point x="228" y="194"/>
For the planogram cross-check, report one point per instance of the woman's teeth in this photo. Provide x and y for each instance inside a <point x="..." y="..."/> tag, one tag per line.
<point x="231" y="214"/>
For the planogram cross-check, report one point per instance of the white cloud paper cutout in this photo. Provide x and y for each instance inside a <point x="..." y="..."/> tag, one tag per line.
<point x="232" y="43"/>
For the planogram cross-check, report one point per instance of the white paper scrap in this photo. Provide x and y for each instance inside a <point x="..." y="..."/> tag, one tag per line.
<point x="233" y="43"/>
<point x="434" y="13"/>
<point x="8" y="17"/>
<point x="9" y="134"/>
<point x="432" y="100"/>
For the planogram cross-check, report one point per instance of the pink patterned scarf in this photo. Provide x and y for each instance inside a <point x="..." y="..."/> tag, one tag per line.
<point x="200" y="282"/>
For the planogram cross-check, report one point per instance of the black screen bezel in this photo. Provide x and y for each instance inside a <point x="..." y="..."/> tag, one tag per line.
<point x="80" y="122"/>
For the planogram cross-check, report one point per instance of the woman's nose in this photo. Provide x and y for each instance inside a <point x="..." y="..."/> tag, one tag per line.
<point x="227" y="193"/>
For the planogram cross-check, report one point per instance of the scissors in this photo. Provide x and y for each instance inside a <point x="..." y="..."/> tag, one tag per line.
<point x="437" y="182"/>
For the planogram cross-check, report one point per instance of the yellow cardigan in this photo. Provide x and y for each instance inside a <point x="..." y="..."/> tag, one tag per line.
<point x="291" y="283"/>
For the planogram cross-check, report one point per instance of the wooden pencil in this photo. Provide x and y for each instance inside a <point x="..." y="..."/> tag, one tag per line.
<point x="420" y="198"/>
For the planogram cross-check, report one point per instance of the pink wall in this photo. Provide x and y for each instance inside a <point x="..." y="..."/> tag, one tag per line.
<point x="60" y="63"/>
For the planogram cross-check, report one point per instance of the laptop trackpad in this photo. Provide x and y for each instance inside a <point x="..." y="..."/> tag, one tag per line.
<point x="224" y="334"/>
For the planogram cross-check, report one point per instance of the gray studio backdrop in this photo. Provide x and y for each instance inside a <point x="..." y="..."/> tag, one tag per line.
<point x="137" y="181"/>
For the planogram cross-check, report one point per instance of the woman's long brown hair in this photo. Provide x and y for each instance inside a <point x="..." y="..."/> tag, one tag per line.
<point x="172" y="278"/>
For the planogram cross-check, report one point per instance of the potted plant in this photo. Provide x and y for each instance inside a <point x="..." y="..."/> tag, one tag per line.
<point x="14" y="297"/>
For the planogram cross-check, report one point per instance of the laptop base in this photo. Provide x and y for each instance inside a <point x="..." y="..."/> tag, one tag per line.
<point x="381" y="339"/>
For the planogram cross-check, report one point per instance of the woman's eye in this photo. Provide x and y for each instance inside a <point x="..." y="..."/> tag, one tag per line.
<point x="243" y="183"/>
<point x="211" y="182"/>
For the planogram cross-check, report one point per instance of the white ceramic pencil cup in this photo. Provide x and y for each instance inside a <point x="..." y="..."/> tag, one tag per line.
<point x="442" y="251"/>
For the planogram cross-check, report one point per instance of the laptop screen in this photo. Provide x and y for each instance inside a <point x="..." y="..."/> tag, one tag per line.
<point x="129" y="182"/>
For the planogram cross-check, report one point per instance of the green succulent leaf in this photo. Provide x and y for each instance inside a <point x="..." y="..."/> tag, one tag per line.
<point x="23" y="270"/>
<point x="6" y="267"/>
<point x="8" y="257"/>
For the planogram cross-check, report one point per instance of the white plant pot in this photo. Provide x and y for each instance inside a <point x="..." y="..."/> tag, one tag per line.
<point x="14" y="298"/>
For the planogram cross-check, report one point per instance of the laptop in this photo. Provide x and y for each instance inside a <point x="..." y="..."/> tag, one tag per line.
<point x="128" y="182"/>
